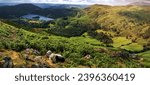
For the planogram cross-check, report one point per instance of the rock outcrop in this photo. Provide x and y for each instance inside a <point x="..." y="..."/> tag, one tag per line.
<point x="7" y="62"/>
<point x="55" y="57"/>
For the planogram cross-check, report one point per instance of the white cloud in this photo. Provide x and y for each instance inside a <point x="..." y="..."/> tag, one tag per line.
<point x="109" y="2"/>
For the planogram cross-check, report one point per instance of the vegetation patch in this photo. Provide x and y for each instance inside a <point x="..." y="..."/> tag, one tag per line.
<point x="120" y="41"/>
<point x="145" y="54"/>
<point x="146" y="58"/>
<point x="134" y="47"/>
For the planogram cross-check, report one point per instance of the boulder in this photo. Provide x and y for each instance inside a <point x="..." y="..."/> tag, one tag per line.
<point x="27" y="51"/>
<point x="88" y="56"/>
<point x="36" y="52"/>
<point x="56" y="58"/>
<point x="7" y="62"/>
<point x="48" y="53"/>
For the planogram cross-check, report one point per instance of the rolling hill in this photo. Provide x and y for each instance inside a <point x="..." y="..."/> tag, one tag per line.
<point x="132" y="22"/>
<point x="15" y="41"/>
<point x="16" y="11"/>
<point x="114" y="36"/>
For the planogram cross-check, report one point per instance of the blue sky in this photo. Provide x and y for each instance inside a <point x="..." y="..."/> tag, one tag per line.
<point x="109" y="2"/>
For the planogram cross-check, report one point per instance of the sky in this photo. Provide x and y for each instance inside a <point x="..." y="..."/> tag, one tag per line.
<point x="107" y="2"/>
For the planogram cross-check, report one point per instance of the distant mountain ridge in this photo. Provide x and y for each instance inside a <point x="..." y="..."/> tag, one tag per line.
<point x="17" y="10"/>
<point x="47" y="5"/>
<point x="7" y="4"/>
<point x="53" y="11"/>
<point x="44" y="5"/>
<point x="143" y="3"/>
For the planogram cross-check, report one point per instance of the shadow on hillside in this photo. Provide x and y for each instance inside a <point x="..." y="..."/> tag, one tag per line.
<point x="137" y="15"/>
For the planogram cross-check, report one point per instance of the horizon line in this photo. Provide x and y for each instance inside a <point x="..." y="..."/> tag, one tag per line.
<point x="61" y="3"/>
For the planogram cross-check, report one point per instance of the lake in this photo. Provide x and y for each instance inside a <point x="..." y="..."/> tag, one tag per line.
<point x="37" y="17"/>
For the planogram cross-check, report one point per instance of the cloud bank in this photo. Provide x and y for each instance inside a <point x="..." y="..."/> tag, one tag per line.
<point x="108" y="2"/>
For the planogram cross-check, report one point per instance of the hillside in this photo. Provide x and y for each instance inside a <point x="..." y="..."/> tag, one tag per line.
<point x="14" y="42"/>
<point x="132" y="22"/>
<point x="144" y="3"/>
<point x="16" y="11"/>
<point x="127" y="26"/>
<point x="97" y="36"/>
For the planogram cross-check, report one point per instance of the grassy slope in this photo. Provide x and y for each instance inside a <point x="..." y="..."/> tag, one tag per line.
<point x="128" y="26"/>
<point x="73" y="49"/>
<point x="130" y="22"/>
<point x="127" y="19"/>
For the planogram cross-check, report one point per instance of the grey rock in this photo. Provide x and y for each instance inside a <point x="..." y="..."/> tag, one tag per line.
<point x="8" y="62"/>
<point x="36" y="52"/>
<point x="56" y="58"/>
<point x="87" y="56"/>
<point x="48" y="53"/>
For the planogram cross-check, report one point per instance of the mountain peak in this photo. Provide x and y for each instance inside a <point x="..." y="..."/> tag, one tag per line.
<point x="27" y="5"/>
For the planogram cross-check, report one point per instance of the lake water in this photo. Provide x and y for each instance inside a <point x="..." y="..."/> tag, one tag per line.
<point x="32" y="16"/>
